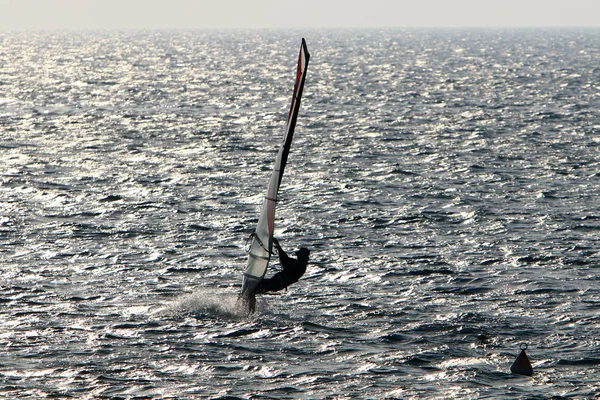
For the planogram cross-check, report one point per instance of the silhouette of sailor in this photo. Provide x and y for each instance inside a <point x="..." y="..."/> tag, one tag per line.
<point x="292" y="271"/>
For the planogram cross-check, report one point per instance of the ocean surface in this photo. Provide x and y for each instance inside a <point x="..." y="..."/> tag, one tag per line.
<point x="447" y="183"/>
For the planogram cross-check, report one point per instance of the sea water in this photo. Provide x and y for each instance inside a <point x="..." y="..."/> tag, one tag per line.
<point x="446" y="182"/>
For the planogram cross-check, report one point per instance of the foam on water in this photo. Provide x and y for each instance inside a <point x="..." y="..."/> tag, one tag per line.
<point x="205" y="302"/>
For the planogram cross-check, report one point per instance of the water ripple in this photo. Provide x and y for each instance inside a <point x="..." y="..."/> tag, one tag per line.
<point x="445" y="181"/>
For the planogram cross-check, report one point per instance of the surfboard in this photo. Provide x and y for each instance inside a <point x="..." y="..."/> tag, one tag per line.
<point x="261" y="245"/>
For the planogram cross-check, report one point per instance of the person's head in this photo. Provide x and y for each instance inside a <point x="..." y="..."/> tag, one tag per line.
<point x="303" y="253"/>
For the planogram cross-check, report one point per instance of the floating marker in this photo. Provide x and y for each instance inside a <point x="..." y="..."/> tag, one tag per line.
<point x="522" y="366"/>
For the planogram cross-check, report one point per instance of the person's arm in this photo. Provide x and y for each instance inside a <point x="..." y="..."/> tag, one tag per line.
<point x="284" y="259"/>
<point x="277" y="246"/>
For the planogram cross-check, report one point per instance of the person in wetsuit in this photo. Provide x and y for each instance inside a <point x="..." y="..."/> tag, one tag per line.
<point x="293" y="269"/>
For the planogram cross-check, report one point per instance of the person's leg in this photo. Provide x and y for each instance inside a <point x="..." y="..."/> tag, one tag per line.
<point x="277" y="282"/>
<point x="268" y="285"/>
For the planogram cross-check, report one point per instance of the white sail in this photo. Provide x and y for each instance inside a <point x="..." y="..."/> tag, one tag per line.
<point x="262" y="239"/>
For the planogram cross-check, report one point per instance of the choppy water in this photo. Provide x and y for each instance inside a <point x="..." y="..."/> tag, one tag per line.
<point x="447" y="183"/>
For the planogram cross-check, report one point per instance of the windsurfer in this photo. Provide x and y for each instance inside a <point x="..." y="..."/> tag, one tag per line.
<point x="293" y="269"/>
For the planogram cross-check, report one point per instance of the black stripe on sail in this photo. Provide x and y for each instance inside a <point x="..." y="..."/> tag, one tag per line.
<point x="259" y="257"/>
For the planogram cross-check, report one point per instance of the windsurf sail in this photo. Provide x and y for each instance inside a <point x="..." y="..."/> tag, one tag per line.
<point x="261" y="245"/>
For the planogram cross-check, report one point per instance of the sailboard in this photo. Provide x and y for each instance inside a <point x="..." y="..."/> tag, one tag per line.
<point x="261" y="245"/>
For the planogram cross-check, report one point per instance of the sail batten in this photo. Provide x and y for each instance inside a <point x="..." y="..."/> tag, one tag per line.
<point x="262" y="240"/>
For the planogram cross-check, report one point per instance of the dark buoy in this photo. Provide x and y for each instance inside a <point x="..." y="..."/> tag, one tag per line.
<point x="522" y="366"/>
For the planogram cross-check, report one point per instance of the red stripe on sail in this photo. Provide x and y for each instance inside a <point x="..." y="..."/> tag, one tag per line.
<point x="299" y="71"/>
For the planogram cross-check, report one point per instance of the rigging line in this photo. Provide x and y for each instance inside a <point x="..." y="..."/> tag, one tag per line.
<point x="261" y="244"/>
<point x="249" y="239"/>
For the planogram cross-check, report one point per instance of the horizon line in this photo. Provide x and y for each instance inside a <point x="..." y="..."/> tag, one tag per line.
<point x="313" y="28"/>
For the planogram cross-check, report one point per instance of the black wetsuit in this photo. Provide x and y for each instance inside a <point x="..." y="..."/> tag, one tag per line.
<point x="292" y="271"/>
